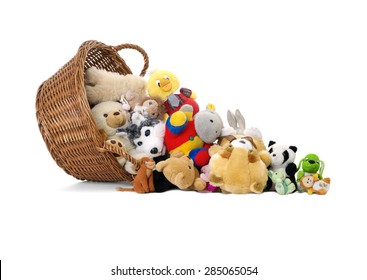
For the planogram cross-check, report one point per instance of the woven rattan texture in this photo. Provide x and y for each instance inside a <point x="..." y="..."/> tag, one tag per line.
<point x="65" y="120"/>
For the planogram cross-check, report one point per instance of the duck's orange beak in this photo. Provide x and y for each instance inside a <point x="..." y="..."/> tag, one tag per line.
<point x="165" y="84"/>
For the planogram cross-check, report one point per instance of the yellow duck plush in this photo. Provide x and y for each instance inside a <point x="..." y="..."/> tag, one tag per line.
<point x="165" y="85"/>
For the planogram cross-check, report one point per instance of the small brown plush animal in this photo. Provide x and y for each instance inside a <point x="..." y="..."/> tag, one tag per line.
<point x="180" y="171"/>
<point x="143" y="182"/>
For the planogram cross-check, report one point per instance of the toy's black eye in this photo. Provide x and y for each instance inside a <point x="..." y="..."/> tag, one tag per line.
<point x="105" y="115"/>
<point x="189" y="167"/>
<point x="147" y="133"/>
<point x="274" y="155"/>
<point x="211" y="121"/>
<point x="150" y="103"/>
<point x="158" y="83"/>
<point x="140" y="143"/>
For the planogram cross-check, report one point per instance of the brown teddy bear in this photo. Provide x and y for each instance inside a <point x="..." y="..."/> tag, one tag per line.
<point x="102" y="85"/>
<point x="181" y="172"/>
<point x="237" y="169"/>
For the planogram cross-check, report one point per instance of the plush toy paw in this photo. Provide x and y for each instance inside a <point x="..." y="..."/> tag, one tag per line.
<point x="199" y="184"/>
<point x="257" y="187"/>
<point x="285" y="187"/>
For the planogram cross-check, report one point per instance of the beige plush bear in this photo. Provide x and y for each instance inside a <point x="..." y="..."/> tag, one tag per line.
<point x="108" y="116"/>
<point x="180" y="171"/>
<point x="102" y="85"/>
<point x="237" y="169"/>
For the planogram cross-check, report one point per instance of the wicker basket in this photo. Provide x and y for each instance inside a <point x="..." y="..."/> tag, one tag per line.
<point x="65" y="120"/>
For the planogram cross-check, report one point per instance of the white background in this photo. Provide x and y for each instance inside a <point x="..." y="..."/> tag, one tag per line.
<point x="296" y="69"/>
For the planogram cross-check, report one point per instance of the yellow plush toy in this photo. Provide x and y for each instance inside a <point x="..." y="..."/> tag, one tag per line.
<point x="165" y="85"/>
<point x="237" y="169"/>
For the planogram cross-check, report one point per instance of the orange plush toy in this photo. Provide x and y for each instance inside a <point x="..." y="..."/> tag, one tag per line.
<point x="143" y="182"/>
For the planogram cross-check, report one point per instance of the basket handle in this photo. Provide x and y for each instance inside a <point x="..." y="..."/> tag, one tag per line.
<point x="114" y="149"/>
<point x="139" y="49"/>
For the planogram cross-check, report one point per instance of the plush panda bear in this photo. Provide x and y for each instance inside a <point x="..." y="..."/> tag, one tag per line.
<point x="282" y="158"/>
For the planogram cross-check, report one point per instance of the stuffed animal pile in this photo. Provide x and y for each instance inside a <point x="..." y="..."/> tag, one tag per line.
<point x="181" y="146"/>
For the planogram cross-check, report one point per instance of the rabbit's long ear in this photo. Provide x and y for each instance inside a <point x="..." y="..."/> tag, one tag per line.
<point x="231" y="119"/>
<point x="240" y="120"/>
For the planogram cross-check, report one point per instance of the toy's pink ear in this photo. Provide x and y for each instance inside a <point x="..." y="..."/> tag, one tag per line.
<point x="126" y="107"/>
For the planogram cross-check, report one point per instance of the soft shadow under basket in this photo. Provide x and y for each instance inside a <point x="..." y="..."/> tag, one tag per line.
<point x="65" y="119"/>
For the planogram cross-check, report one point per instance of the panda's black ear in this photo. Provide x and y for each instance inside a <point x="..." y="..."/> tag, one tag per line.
<point x="293" y="148"/>
<point x="271" y="143"/>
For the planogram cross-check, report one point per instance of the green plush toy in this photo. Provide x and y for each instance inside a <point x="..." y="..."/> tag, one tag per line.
<point x="311" y="166"/>
<point x="283" y="185"/>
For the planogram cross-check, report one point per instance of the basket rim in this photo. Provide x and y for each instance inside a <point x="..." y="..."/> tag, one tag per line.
<point x="78" y="64"/>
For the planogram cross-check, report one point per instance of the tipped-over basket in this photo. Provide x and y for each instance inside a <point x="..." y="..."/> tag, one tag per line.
<point x="65" y="119"/>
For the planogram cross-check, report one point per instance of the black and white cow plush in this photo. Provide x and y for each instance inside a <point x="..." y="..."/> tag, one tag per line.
<point x="282" y="158"/>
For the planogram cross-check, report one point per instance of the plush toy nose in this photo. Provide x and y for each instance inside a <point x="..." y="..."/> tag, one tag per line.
<point x="311" y="161"/>
<point x="165" y="84"/>
<point x="154" y="151"/>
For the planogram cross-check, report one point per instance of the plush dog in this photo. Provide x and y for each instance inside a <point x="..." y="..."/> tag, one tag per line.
<point x="310" y="178"/>
<point x="148" y="137"/>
